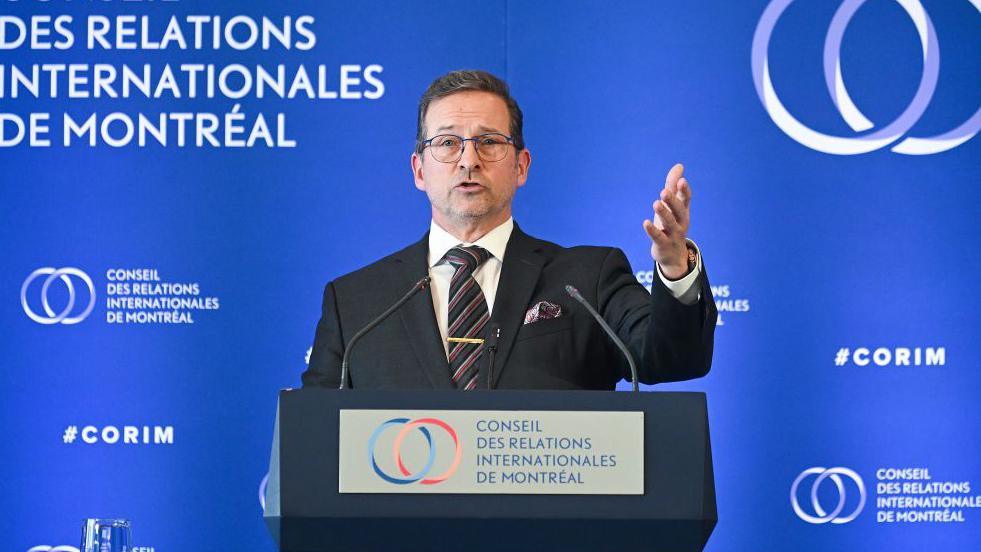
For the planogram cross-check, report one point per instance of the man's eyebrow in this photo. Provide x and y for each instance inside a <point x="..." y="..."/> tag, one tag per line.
<point x="483" y="129"/>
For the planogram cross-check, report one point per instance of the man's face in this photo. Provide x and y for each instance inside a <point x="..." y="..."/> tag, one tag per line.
<point x="470" y="191"/>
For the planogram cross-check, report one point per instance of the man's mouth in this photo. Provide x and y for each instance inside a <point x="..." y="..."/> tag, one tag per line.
<point x="469" y="186"/>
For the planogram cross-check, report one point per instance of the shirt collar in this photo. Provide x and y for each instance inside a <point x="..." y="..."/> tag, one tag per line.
<point x="495" y="241"/>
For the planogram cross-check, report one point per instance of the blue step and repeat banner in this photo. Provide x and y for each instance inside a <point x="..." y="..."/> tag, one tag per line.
<point x="180" y="178"/>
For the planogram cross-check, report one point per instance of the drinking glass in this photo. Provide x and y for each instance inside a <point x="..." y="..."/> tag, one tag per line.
<point x="105" y="535"/>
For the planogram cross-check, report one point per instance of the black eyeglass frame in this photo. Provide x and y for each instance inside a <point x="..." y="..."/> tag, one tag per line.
<point x="463" y="145"/>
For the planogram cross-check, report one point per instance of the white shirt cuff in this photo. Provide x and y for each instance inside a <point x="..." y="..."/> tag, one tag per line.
<point x="685" y="290"/>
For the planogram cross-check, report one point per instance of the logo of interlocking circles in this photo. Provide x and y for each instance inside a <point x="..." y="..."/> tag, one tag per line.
<point x="406" y="476"/>
<point x="889" y="134"/>
<point x="65" y="276"/>
<point x="821" y="515"/>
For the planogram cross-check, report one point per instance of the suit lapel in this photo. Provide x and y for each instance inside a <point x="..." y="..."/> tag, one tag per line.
<point x="419" y="316"/>
<point x="519" y="274"/>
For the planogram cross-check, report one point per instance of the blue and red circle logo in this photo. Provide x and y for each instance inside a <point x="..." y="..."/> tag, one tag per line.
<point x="406" y="476"/>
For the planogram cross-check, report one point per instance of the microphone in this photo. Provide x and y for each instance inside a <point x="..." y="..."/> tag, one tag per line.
<point x="416" y="288"/>
<point x="493" y="336"/>
<point x="574" y="293"/>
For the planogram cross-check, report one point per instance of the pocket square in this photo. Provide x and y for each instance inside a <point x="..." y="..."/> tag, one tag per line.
<point x="543" y="310"/>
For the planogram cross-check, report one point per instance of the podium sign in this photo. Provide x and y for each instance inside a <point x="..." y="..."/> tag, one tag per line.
<point x="491" y="452"/>
<point x="438" y="447"/>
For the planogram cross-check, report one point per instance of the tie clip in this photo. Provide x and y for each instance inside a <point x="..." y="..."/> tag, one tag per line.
<point x="465" y="340"/>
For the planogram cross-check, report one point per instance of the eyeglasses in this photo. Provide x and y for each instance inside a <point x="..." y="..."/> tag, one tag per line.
<point x="448" y="148"/>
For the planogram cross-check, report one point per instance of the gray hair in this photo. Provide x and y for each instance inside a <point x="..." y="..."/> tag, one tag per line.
<point x="461" y="81"/>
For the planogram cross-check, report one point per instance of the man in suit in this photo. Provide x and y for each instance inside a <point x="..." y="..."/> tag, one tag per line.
<point x="470" y="158"/>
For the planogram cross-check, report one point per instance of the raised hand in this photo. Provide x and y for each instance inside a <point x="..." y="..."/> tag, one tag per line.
<point x="670" y="225"/>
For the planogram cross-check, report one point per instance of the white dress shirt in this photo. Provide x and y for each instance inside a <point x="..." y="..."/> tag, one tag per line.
<point x="488" y="274"/>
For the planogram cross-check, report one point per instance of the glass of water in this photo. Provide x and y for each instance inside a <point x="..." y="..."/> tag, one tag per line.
<point x="105" y="535"/>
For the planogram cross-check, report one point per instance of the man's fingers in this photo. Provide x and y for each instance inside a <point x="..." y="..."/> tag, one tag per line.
<point x="671" y="182"/>
<point x="669" y="222"/>
<point x="655" y="233"/>
<point x="671" y="210"/>
<point x="658" y="220"/>
<point x="684" y="192"/>
<point x="677" y="207"/>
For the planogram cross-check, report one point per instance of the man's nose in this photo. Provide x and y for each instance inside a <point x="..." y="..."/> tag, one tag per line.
<point x="469" y="160"/>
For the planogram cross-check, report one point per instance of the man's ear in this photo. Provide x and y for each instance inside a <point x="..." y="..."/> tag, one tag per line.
<point x="523" y="159"/>
<point x="417" y="173"/>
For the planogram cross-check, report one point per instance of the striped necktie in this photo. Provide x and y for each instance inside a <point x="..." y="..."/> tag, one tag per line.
<point x="467" y="314"/>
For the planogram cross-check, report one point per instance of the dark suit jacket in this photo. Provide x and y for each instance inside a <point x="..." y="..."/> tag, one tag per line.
<point x="670" y="341"/>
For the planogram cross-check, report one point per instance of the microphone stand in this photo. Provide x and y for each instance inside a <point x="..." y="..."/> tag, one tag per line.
<point x="574" y="293"/>
<point x="416" y="288"/>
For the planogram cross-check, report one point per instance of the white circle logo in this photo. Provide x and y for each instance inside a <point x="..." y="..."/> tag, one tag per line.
<point x="839" y="93"/>
<point x="53" y="317"/>
<point x="262" y="491"/>
<point x="823" y="516"/>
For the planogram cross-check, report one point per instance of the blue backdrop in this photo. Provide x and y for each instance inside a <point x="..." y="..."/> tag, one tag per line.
<point x="829" y="267"/>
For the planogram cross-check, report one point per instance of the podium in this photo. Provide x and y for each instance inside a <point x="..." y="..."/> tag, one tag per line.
<point x="305" y="511"/>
